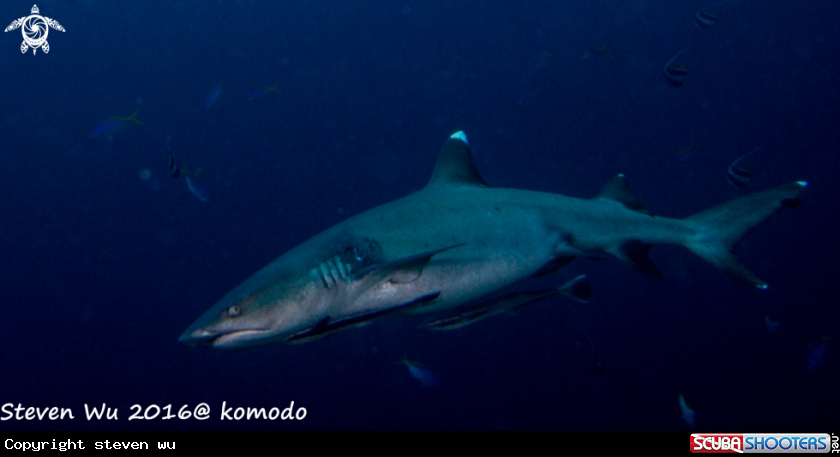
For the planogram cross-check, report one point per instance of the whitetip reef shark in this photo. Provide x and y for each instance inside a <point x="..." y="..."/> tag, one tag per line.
<point x="456" y="241"/>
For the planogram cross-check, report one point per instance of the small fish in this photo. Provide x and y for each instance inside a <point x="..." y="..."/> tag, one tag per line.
<point x="426" y="377"/>
<point x="596" y="358"/>
<point x="262" y="92"/>
<point x="197" y="189"/>
<point x="598" y="364"/>
<point x="682" y="156"/>
<point x="174" y="169"/>
<point x="738" y="175"/>
<point x="707" y="17"/>
<point x="772" y="327"/>
<point x="107" y="129"/>
<point x="213" y="97"/>
<point x="817" y="354"/>
<point x="132" y="118"/>
<point x="538" y="65"/>
<point x="687" y="413"/>
<point x="577" y="289"/>
<point x="113" y="125"/>
<point x="675" y="74"/>
<point x="144" y="174"/>
<point x="600" y="50"/>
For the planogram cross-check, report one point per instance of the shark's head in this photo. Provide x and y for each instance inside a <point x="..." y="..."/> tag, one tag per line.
<point x="296" y="298"/>
<point x="261" y="310"/>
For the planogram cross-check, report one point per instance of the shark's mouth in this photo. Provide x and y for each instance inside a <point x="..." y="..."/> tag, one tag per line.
<point x="233" y="339"/>
<point x="239" y="338"/>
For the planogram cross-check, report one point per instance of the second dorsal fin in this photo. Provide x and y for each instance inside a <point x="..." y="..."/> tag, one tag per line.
<point x="455" y="165"/>
<point x="617" y="189"/>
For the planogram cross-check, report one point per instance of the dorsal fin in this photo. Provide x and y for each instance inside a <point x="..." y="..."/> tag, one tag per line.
<point x="617" y="189"/>
<point x="455" y="163"/>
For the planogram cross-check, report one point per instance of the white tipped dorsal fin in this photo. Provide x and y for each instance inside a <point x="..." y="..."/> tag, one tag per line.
<point x="617" y="189"/>
<point x="460" y="135"/>
<point x="455" y="163"/>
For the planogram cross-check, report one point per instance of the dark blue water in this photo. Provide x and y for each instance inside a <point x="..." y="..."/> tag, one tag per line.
<point x="105" y="259"/>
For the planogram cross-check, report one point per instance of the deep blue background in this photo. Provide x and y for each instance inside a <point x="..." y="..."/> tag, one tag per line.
<point x="101" y="271"/>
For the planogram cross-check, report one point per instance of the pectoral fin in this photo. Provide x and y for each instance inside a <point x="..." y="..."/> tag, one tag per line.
<point x="316" y="332"/>
<point x="400" y="271"/>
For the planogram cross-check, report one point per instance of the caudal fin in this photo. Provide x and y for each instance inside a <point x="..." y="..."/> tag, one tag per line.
<point x="719" y="229"/>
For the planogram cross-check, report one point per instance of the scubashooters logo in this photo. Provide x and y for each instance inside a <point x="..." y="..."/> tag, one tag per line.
<point x="35" y="29"/>
<point x="738" y="443"/>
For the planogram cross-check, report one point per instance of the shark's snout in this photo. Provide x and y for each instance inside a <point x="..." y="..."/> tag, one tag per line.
<point x="196" y="337"/>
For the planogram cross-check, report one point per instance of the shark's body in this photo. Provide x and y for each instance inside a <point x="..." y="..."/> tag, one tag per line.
<point x="458" y="240"/>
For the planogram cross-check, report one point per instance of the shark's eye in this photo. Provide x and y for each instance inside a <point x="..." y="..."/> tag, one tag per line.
<point x="234" y="311"/>
<point x="362" y="253"/>
<point x="354" y="256"/>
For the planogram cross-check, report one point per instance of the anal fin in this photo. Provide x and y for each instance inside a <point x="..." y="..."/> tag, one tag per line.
<point x="635" y="254"/>
<point x="577" y="289"/>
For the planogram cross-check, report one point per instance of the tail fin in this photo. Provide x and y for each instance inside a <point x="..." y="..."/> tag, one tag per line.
<point x="719" y="229"/>
<point x="133" y="117"/>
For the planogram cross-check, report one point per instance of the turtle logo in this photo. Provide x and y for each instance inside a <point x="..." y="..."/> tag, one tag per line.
<point x="35" y="30"/>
